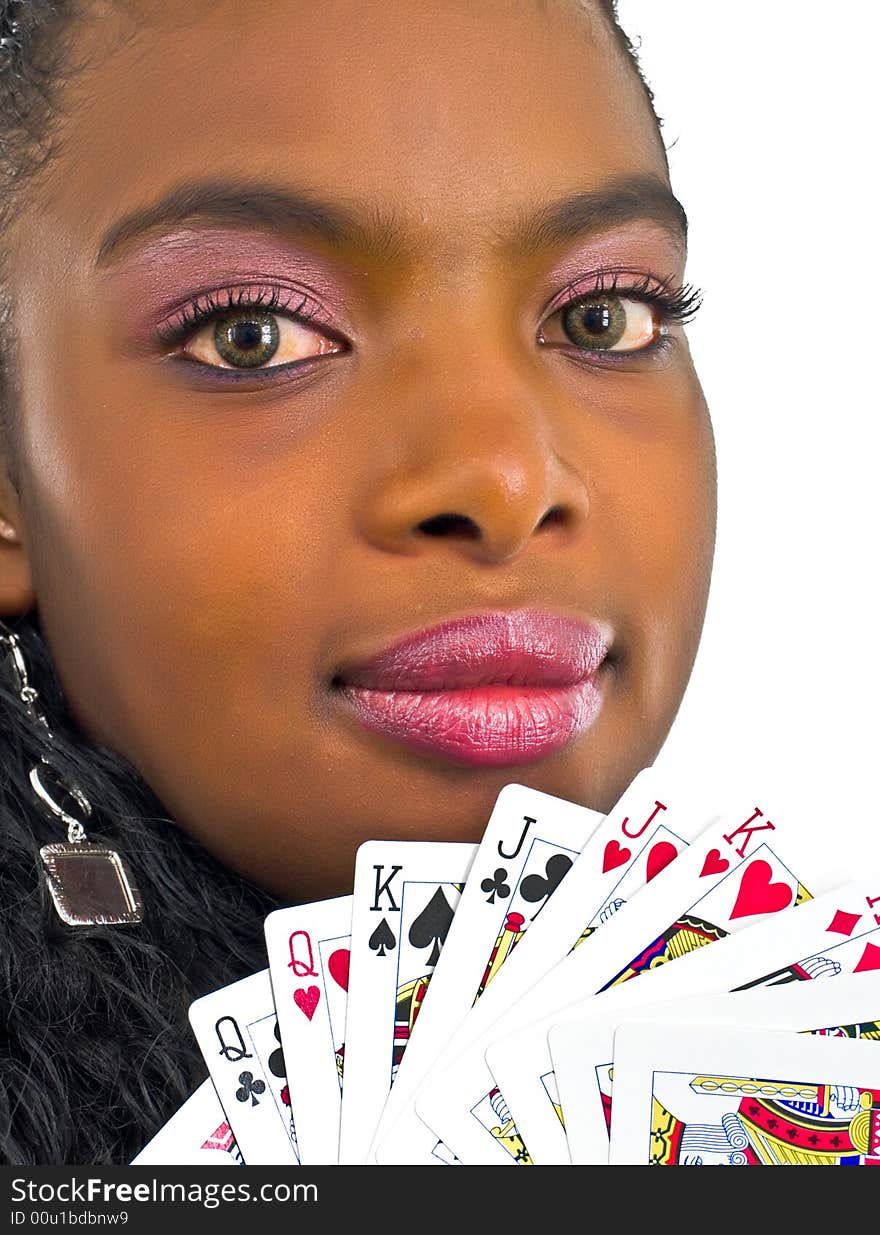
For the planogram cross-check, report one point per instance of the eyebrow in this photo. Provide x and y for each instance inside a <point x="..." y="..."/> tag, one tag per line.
<point x="640" y="198"/>
<point x="379" y="233"/>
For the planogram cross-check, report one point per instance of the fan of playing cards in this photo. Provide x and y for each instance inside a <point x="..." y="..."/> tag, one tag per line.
<point x="473" y="1004"/>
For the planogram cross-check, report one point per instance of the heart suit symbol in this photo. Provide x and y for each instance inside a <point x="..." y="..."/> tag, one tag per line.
<point x="714" y="864"/>
<point x="757" y="894"/>
<point x="306" y="999"/>
<point x="615" y="855"/>
<point x="338" y="966"/>
<point x="660" y="856"/>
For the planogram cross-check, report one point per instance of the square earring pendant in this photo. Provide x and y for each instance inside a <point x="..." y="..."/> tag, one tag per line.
<point x="89" y="885"/>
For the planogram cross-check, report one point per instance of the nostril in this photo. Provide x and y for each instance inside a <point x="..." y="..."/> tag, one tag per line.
<point x="450" y="525"/>
<point x="555" y="515"/>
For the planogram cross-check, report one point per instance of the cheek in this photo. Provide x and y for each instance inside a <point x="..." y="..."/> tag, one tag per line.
<point x="669" y="520"/>
<point x="181" y="572"/>
<point x="664" y="507"/>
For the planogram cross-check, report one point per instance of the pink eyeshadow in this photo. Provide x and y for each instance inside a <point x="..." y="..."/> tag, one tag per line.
<point x="641" y="247"/>
<point x="174" y="268"/>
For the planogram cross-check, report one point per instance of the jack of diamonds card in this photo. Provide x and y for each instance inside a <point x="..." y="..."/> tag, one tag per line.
<point x="237" y="1032"/>
<point x="308" y="950"/>
<point x="405" y="896"/>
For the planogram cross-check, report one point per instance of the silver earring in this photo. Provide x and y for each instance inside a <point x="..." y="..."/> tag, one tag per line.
<point x="10" y="35"/>
<point x="88" y="883"/>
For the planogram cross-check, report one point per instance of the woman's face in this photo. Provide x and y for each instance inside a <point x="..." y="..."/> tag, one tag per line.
<point x="225" y="521"/>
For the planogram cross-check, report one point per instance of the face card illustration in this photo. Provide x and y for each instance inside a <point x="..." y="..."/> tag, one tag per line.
<point x="196" y="1135"/>
<point x="644" y="832"/>
<point x="744" y="1097"/>
<point x="237" y="1032"/>
<point x="308" y="949"/>
<point x="581" y="1049"/>
<point x="405" y="896"/>
<point x="646" y="933"/>
<point x="529" y="846"/>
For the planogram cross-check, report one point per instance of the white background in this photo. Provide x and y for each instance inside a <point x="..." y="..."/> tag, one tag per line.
<point x="770" y="122"/>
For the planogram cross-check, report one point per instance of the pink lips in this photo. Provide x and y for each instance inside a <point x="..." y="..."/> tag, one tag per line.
<point x="494" y="689"/>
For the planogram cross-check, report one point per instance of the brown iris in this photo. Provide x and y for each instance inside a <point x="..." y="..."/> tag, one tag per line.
<point x="247" y="338"/>
<point x="595" y="321"/>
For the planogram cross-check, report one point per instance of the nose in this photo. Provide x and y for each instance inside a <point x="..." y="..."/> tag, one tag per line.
<point x="481" y="476"/>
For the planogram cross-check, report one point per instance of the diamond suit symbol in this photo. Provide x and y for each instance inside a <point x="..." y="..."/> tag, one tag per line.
<point x="870" y="959"/>
<point x="844" y="923"/>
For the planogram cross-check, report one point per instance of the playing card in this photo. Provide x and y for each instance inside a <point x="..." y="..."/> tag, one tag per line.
<point x="237" y="1032"/>
<point x="743" y="1097"/>
<point x="730" y="877"/>
<point x="581" y="1050"/>
<point x="832" y="935"/>
<point x="308" y="950"/>
<point x="405" y="895"/>
<point x="196" y="1135"/>
<point x="530" y="844"/>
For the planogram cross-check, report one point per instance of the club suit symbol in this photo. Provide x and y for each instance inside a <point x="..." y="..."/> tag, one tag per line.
<point x="276" y="1059"/>
<point x="250" y="1088"/>
<point x="537" y="888"/>
<point x="496" y="886"/>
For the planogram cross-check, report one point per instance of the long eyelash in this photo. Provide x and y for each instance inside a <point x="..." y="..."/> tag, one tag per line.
<point x="216" y="304"/>
<point x="677" y="303"/>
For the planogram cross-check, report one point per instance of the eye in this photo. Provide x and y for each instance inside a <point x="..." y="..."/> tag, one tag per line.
<point x="254" y="337"/>
<point x="605" y="322"/>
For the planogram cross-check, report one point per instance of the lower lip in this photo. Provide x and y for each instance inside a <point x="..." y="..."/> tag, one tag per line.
<point x="487" y="726"/>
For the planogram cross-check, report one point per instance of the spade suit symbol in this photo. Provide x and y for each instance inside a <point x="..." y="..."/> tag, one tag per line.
<point x="432" y="926"/>
<point x="382" y="939"/>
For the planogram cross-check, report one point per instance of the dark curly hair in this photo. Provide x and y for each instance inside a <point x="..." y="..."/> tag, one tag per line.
<point x="96" y="1052"/>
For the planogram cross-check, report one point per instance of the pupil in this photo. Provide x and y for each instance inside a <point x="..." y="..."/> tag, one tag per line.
<point x="597" y="318"/>
<point x="246" y="335"/>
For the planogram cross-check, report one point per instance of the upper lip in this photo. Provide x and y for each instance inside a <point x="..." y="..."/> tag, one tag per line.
<point x="522" y="647"/>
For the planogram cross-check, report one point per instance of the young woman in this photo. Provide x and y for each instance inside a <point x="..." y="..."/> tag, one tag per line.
<point x="353" y="465"/>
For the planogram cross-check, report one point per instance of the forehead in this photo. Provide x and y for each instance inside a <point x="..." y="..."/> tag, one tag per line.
<point x="451" y="115"/>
